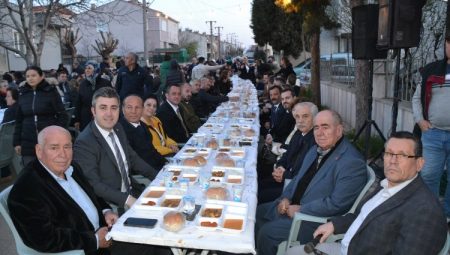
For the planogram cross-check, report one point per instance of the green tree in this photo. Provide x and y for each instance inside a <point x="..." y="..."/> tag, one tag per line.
<point x="314" y="19"/>
<point x="191" y="49"/>
<point x="279" y="29"/>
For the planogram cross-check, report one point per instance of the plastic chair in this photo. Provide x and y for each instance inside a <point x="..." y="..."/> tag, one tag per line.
<point x="73" y="131"/>
<point x="299" y="217"/>
<point x="6" y="143"/>
<point x="21" y="248"/>
<point x="446" y="247"/>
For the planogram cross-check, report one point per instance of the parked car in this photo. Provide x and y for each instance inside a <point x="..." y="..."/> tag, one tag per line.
<point x="303" y="72"/>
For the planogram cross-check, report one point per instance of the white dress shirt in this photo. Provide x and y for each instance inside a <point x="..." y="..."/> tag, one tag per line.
<point x="105" y="134"/>
<point x="381" y="197"/>
<point x="77" y="194"/>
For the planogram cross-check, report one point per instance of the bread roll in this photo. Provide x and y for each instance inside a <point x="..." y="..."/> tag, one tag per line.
<point x="212" y="144"/>
<point x="201" y="160"/>
<point x="228" y="162"/>
<point x="249" y="132"/>
<point x="190" y="162"/>
<point x="222" y="155"/>
<point x="218" y="193"/>
<point x="173" y="221"/>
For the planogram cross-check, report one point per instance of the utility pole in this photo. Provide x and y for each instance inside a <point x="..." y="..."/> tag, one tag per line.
<point x="218" y="37"/>
<point x="145" y="24"/>
<point x="211" y="22"/>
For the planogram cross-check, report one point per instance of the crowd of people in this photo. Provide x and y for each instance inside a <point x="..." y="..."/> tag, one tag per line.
<point x="130" y="119"/>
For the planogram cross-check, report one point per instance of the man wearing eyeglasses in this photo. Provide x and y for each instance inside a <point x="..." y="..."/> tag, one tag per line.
<point x="401" y="216"/>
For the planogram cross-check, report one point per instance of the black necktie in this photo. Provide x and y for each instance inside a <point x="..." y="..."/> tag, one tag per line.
<point x="182" y="122"/>
<point x="120" y="162"/>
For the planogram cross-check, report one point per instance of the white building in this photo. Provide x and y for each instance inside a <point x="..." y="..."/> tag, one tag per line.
<point x="124" y="19"/>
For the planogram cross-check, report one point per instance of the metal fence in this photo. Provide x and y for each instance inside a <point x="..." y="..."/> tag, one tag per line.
<point x="343" y="72"/>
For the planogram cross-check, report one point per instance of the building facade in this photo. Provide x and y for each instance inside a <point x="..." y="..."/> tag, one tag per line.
<point x="124" y="19"/>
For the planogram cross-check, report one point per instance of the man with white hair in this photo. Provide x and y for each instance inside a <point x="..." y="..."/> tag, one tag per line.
<point x="53" y="207"/>
<point x="289" y="164"/>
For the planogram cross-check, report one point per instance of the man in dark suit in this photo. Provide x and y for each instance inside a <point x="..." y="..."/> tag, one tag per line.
<point x="172" y="116"/>
<point x="105" y="156"/>
<point x="193" y="122"/>
<point x="138" y="135"/>
<point x="281" y="120"/>
<point x="290" y="162"/>
<point x="401" y="216"/>
<point x="53" y="207"/>
<point x="247" y="72"/>
<point x="206" y="103"/>
<point x="332" y="175"/>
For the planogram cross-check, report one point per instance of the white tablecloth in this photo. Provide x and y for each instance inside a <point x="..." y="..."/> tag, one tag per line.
<point x="191" y="236"/>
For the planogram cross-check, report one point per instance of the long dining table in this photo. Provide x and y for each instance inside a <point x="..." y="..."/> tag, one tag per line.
<point x="227" y="126"/>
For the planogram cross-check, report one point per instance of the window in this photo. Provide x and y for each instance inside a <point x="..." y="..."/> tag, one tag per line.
<point x="102" y="26"/>
<point x="18" y="42"/>
<point x="163" y="25"/>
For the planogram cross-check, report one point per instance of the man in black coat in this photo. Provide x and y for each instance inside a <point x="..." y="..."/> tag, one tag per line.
<point x="172" y="116"/>
<point x="53" y="207"/>
<point x="139" y="137"/>
<point x="133" y="79"/>
<point x="205" y="103"/>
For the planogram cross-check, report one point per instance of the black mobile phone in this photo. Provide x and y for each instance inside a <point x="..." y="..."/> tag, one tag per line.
<point x="140" y="222"/>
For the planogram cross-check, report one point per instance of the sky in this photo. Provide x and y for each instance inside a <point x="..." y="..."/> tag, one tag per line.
<point x="233" y="15"/>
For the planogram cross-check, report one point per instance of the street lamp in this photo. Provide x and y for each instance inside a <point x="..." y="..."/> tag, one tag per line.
<point x="286" y="5"/>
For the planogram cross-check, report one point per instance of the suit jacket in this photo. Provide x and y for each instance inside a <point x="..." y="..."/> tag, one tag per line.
<point x="292" y="159"/>
<point x="171" y="123"/>
<point x="336" y="185"/>
<point x="193" y="122"/>
<point x="410" y="222"/>
<point x="140" y="140"/>
<point x="100" y="167"/>
<point x="47" y="218"/>
<point x="283" y="124"/>
<point x="247" y="75"/>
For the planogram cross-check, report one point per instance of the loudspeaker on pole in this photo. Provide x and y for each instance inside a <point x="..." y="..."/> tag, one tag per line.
<point x="364" y="32"/>
<point x="399" y="23"/>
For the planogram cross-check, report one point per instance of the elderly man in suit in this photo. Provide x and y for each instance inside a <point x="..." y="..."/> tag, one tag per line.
<point x="332" y="175"/>
<point x="53" y="207"/>
<point x="139" y="137"/>
<point x="172" y="115"/>
<point x="401" y="216"/>
<point x="290" y="162"/>
<point x="105" y="156"/>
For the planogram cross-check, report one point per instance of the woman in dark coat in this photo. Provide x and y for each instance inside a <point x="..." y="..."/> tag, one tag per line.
<point x="39" y="106"/>
<point x="88" y="86"/>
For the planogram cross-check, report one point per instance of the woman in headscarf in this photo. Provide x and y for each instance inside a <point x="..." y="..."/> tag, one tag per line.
<point x="39" y="106"/>
<point x="91" y="83"/>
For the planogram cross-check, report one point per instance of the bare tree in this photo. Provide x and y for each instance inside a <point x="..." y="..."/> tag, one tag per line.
<point x="30" y="21"/>
<point x="107" y="45"/>
<point x="70" y="39"/>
